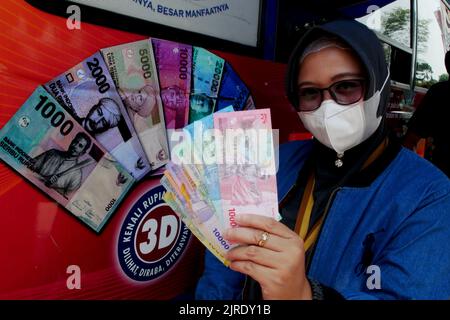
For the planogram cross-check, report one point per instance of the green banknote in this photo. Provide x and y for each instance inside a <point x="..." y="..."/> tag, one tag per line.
<point x="207" y="71"/>
<point x="47" y="146"/>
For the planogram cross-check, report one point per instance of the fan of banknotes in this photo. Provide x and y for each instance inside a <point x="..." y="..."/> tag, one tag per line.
<point x="86" y="136"/>
<point x="223" y="166"/>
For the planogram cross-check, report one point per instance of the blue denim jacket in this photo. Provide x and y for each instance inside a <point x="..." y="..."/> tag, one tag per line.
<point x="406" y="214"/>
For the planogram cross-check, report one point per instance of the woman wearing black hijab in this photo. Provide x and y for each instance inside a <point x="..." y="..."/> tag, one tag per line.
<point x="363" y="218"/>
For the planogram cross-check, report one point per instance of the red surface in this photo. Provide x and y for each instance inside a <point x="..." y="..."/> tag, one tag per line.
<point x="39" y="239"/>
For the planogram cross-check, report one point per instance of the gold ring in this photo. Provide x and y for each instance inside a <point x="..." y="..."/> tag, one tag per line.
<point x="263" y="239"/>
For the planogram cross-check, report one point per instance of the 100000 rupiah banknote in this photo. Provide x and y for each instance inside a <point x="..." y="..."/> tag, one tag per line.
<point x="89" y="94"/>
<point x="45" y="144"/>
<point x="173" y="61"/>
<point x="248" y="176"/>
<point x="134" y="72"/>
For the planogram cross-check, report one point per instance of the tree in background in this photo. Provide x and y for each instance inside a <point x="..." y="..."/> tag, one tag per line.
<point x="424" y="71"/>
<point x="424" y="75"/>
<point x="396" y="25"/>
<point x="443" y="77"/>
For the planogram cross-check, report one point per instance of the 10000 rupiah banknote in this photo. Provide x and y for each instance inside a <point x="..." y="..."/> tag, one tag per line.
<point x="45" y="144"/>
<point x="89" y="94"/>
<point x="173" y="61"/>
<point x="248" y="176"/>
<point x="134" y="72"/>
<point x="207" y="70"/>
<point x="196" y="213"/>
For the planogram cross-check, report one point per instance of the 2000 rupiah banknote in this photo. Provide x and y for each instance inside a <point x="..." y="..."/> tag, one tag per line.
<point x="90" y="95"/>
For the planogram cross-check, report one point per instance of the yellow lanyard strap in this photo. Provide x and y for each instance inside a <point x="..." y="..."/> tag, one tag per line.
<point x="307" y="204"/>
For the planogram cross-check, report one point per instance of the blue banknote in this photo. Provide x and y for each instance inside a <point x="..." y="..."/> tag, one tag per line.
<point x="232" y="91"/>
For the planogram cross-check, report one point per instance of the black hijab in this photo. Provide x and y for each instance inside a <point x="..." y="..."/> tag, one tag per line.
<point x="364" y="43"/>
<point x="328" y="176"/>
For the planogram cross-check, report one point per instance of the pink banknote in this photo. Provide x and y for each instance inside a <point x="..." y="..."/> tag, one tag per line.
<point x="247" y="174"/>
<point x="173" y="61"/>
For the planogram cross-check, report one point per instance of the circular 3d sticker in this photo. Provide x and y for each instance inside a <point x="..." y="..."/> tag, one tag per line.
<point x="152" y="237"/>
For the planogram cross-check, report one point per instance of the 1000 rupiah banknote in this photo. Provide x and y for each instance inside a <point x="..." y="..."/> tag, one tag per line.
<point x="89" y="94"/>
<point x="134" y="72"/>
<point x="45" y="144"/>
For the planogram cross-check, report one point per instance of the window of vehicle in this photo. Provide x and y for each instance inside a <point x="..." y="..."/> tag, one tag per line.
<point x="392" y="23"/>
<point x="433" y="32"/>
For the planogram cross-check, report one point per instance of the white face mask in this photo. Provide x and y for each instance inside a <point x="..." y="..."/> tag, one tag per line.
<point x="343" y="127"/>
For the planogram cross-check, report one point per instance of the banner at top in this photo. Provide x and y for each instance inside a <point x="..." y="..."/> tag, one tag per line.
<point x="233" y="20"/>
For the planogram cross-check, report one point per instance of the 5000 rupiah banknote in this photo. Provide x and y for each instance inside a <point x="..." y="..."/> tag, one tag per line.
<point x="133" y="69"/>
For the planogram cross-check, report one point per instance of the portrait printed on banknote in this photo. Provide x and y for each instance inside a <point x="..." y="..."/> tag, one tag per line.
<point x="62" y="169"/>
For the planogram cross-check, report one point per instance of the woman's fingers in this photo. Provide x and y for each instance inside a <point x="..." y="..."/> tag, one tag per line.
<point x="250" y="236"/>
<point x="260" y="256"/>
<point x="258" y="272"/>
<point x="267" y="224"/>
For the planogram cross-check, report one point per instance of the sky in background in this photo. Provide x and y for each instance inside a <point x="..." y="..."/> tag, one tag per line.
<point x="434" y="54"/>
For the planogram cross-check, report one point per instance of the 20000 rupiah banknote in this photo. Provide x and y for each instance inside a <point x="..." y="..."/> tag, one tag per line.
<point x="45" y="144"/>
<point x="89" y="94"/>
<point x="133" y="69"/>
<point x="207" y="70"/>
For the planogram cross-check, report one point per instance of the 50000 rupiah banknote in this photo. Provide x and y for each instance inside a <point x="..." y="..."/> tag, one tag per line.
<point x="233" y="91"/>
<point x="45" y="144"/>
<point x="89" y="94"/>
<point x="134" y="72"/>
<point x="173" y="61"/>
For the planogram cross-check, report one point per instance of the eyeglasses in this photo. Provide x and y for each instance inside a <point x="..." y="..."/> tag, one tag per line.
<point x="344" y="92"/>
